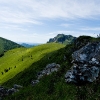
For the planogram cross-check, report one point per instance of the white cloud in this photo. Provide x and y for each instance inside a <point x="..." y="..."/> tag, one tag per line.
<point x="19" y="14"/>
<point x="73" y="33"/>
<point x="31" y="11"/>
<point x="66" y="25"/>
<point x="91" y="28"/>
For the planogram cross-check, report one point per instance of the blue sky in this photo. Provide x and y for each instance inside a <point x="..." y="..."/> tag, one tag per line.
<point x="35" y="21"/>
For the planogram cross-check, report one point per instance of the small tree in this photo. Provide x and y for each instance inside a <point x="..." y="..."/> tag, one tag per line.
<point x="6" y="70"/>
<point x="2" y="73"/>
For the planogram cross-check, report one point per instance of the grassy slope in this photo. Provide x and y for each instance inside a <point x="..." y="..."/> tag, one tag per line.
<point x="8" y="44"/>
<point x="19" y="59"/>
<point x="53" y="87"/>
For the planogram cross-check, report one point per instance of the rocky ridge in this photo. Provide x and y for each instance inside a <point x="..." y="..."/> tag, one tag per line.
<point x="86" y="64"/>
<point x="62" y="38"/>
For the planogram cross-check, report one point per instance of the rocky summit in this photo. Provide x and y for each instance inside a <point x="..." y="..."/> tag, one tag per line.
<point x="86" y="64"/>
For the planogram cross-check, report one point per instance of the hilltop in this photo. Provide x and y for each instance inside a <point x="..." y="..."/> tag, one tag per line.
<point x="61" y="38"/>
<point x="8" y="44"/>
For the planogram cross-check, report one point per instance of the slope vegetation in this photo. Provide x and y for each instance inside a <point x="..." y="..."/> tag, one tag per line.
<point x="8" y="45"/>
<point x="17" y="60"/>
<point x="54" y="87"/>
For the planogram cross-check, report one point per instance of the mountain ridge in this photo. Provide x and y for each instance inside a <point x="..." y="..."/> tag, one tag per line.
<point x="62" y="38"/>
<point x="8" y="44"/>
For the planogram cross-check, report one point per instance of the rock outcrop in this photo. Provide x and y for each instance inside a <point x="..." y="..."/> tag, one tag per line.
<point x="48" y="70"/>
<point x="86" y="64"/>
<point x="53" y="67"/>
<point x="5" y="91"/>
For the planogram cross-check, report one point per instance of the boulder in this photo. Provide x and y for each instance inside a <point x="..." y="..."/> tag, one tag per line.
<point x="11" y="91"/>
<point x="5" y="91"/>
<point x="86" y="64"/>
<point x="17" y="86"/>
<point x="34" y="82"/>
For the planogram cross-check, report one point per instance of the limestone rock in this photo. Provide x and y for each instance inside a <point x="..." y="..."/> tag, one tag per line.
<point x="17" y="86"/>
<point x="86" y="64"/>
<point x="5" y="91"/>
<point x="53" y="67"/>
<point x="34" y="82"/>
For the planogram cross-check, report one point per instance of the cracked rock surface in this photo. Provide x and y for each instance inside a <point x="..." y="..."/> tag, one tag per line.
<point x="53" y="67"/>
<point x="86" y="64"/>
<point x="5" y="91"/>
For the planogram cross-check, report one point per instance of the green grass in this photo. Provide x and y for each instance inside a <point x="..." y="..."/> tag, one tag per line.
<point x="53" y="86"/>
<point x="19" y="59"/>
<point x="8" y="44"/>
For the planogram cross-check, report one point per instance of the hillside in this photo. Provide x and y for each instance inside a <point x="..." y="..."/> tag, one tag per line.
<point x="8" y="45"/>
<point x="53" y="86"/>
<point x="61" y="38"/>
<point x="17" y="60"/>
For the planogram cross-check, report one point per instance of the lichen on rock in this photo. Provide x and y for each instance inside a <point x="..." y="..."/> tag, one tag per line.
<point x="86" y="64"/>
<point x="50" y="68"/>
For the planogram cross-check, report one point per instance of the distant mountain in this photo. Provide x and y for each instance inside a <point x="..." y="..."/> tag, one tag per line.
<point x="6" y="45"/>
<point x="29" y="45"/>
<point x="62" y="38"/>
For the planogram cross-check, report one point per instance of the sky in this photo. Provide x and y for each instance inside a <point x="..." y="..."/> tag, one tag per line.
<point x="36" y="21"/>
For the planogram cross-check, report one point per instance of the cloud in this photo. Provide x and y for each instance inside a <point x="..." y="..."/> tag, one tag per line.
<point x="91" y="28"/>
<point x="73" y="33"/>
<point x="18" y="15"/>
<point x="33" y="11"/>
<point x="36" y="11"/>
<point x="66" y="25"/>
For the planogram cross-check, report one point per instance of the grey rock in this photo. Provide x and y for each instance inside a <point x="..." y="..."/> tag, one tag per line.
<point x="12" y="91"/>
<point x="17" y="86"/>
<point x="53" y="67"/>
<point x="86" y="64"/>
<point x="34" y="82"/>
<point x="50" y="68"/>
<point x="5" y="91"/>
